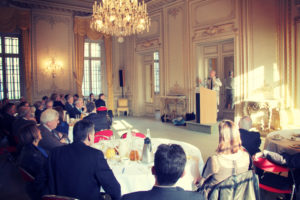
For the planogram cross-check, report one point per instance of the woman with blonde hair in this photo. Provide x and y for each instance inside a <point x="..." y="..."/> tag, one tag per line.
<point x="230" y="158"/>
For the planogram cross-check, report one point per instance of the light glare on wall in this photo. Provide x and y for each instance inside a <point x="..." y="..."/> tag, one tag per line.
<point x="53" y="66"/>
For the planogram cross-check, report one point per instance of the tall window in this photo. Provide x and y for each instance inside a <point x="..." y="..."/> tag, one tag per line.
<point x="93" y="59"/>
<point x="10" y="56"/>
<point x="156" y="72"/>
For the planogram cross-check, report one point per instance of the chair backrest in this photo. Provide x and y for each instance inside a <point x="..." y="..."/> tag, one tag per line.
<point x="240" y="186"/>
<point x="102" y="108"/>
<point x="123" y="102"/>
<point x="9" y="149"/>
<point x="266" y="165"/>
<point x="107" y="133"/>
<point x="100" y="137"/>
<point x="56" y="197"/>
<point x="26" y="175"/>
<point x="139" y="135"/>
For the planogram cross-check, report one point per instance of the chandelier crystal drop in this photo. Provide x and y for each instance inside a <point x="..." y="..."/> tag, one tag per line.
<point x="120" y="18"/>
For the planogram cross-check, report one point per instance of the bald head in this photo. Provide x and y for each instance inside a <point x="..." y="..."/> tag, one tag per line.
<point x="212" y="73"/>
<point x="245" y="123"/>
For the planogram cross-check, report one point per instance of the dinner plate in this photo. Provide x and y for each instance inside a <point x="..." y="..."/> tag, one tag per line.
<point x="277" y="137"/>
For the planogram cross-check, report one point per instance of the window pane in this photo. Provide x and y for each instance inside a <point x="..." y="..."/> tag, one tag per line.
<point x="156" y="73"/>
<point x="95" y="50"/>
<point x="86" y="79"/>
<point x="86" y="49"/>
<point x="11" y="45"/>
<point x="96" y="76"/>
<point x="1" y="80"/>
<point x="13" y="78"/>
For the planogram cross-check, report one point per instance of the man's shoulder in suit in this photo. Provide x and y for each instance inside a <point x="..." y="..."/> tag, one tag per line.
<point x="162" y="193"/>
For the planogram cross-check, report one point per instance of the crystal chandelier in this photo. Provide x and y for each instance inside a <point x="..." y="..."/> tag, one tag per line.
<point x="120" y="17"/>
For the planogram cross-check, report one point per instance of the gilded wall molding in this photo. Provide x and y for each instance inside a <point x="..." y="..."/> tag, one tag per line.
<point x="214" y="31"/>
<point x="175" y="11"/>
<point x="51" y="19"/>
<point x="147" y="44"/>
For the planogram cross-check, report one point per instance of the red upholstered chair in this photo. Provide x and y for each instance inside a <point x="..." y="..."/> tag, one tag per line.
<point x="100" y="137"/>
<point x="139" y="135"/>
<point x="271" y="174"/>
<point x="9" y="149"/>
<point x="102" y="108"/>
<point x="55" y="197"/>
<point x="26" y="175"/>
<point x="107" y="133"/>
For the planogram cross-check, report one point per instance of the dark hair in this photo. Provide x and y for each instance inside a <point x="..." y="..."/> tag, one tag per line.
<point x="90" y="106"/>
<point x="23" y="103"/>
<point x="60" y="111"/>
<point x="28" y="133"/>
<point x="45" y="98"/>
<point x="81" y="130"/>
<point x="67" y="96"/>
<point x="169" y="163"/>
<point x="53" y="97"/>
<point x="76" y="95"/>
<point x="100" y="95"/>
<point x="7" y="107"/>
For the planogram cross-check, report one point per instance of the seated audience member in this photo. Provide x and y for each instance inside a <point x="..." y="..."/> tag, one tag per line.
<point x="78" y="170"/>
<point x="250" y="139"/>
<point x="101" y="101"/>
<point x="32" y="158"/>
<point x="49" y="104"/>
<point x="24" y="117"/>
<point x="231" y="158"/>
<point x="9" y="111"/>
<point x="39" y="108"/>
<point x="69" y="105"/>
<point x="99" y="120"/>
<point x="78" y="108"/>
<point x="50" y="137"/>
<point x="169" y="164"/>
<point x="62" y="127"/>
<point x="56" y="100"/>
<point x="75" y="97"/>
<point x="23" y="103"/>
<point x="92" y="98"/>
<point x="44" y="100"/>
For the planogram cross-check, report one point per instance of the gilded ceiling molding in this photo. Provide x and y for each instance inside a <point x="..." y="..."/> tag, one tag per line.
<point x="51" y="19"/>
<point x="212" y="31"/>
<point x="174" y="11"/>
<point x="146" y="44"/>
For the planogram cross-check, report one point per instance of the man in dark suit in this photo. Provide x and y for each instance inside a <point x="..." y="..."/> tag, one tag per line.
<point x="78" y="170"/>
<point x="250" y="139"/>
<point x="99" y="120"/>
<point x="50" y="137"/>
<point x="78" y="108"/>
<point x="169" y="164"/>
<point x="9" y="112"/>
<point x="100" y="102"/>
<point x="69" y="105"/>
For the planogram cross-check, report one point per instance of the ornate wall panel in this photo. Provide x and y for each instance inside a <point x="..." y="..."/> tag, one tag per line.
<point x="174" y="43"/>
<point x="52" y="37"/>
<point x="205" y="13"/>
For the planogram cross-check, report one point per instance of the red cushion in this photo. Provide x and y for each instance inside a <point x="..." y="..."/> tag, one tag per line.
<point x="102" y="108"/>
<point x="107" y="133"/>
<point x="9" y="149"/>
<point x="268" y="166"/>
<point x="99" y="137"/>
<point x="140" y="135"/>
<point x="271" y="189"/>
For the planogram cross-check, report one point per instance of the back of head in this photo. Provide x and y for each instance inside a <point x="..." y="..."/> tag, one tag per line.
<point x="24" y="111"/>
<point x="82" y="129"/>
<point x="45" y="98"/>
<point x="60" y="111"/>
<point x="48" y="116"/>
<point x="37" y="104"/>
<point x="28" y="133"/>
<point x="7" y="108"/>
<point x="53" y="96"/>
<point x="245" y="123"/>
<point x="100" y="95"/>
<point x="229" y="138"/>
<point x="90" y="106"/>
<point x="169" y="164"/>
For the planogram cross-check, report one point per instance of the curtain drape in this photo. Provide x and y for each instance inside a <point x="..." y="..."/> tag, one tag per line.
<point x="10" y="20"/>
<point x="82" y="29"/>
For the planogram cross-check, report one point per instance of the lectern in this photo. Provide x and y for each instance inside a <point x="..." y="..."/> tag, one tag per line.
<point x="206" y="106"/>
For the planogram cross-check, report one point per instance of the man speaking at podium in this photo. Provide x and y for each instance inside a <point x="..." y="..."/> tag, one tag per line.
<point x="213" y="83"/>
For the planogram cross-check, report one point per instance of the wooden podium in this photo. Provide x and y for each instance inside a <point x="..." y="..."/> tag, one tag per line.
<point x="206" y="106"/>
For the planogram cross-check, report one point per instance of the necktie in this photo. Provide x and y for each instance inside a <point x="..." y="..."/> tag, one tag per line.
<point x="211" y="84"/>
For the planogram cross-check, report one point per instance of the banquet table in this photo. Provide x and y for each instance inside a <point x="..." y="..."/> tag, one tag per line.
<point x="137" y="176"/>
<point x="287" y="141"/>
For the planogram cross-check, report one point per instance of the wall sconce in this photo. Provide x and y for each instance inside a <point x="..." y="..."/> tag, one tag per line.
<point x="54" y="66"/>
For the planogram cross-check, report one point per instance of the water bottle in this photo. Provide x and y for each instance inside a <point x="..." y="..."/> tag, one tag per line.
<point x="148" y="133"/>
<point x="147" y="155"/>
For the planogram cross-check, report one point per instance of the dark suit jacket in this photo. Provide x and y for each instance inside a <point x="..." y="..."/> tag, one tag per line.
<point x="69" y="108"/>
<point x="99" y="103"/>
<point x="32" y="159"/>
<point x="77" y="170"/>
<point x="250" y="141"/>
<point x="74" y="112"/>
<point x="164" y="193"/>
<point x="49" y="140"/>
<point x="58" y="103"/>
<point x="100" y="121"/>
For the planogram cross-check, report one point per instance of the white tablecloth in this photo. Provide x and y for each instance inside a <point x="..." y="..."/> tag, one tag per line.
<point x="283" y="143"/>
<point x="136" y="176"/>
